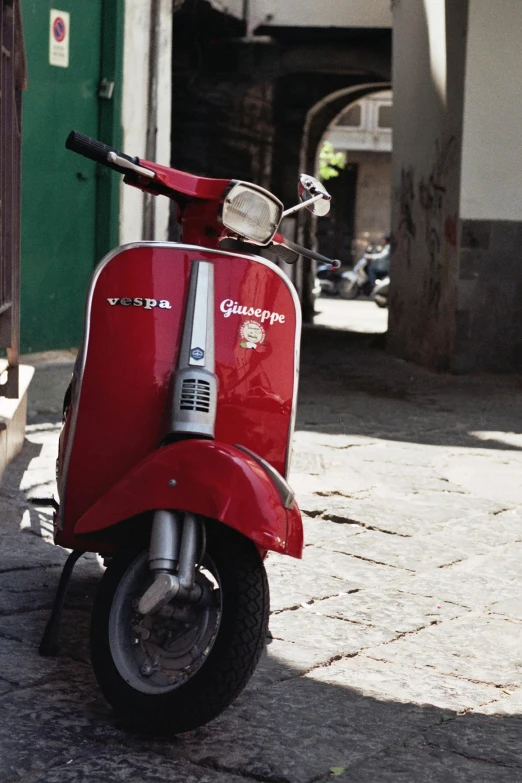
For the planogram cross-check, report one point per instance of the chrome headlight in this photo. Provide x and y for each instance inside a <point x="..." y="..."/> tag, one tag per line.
<point x="251" y="211"/>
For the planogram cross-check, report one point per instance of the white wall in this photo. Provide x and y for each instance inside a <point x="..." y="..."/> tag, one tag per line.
<point x="164" y="113"/>
<point x="491" y="185"/>
<point x="368" y="135"/>
<point x="134" y="110"/>
<point x="311" y="13"/>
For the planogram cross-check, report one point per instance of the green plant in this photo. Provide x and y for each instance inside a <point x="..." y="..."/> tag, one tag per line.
<point x="330" y="161"/>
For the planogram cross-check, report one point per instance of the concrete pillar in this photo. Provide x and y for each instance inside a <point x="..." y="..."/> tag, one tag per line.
<point x="456" y="295"/>
<point x="428" y="86"/>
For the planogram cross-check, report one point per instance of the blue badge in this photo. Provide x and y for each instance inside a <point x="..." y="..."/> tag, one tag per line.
<point x="197" y="354"/>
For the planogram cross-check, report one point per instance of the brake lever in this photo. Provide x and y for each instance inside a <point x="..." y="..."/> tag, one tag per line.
<point x="124" y="163"/>
<point x="279" y="239"/>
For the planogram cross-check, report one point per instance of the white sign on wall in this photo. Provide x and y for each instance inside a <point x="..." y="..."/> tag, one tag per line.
<point x="59" y="38"/>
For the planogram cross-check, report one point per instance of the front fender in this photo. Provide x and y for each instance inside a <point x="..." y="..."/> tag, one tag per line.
<point x="208" y="478"/>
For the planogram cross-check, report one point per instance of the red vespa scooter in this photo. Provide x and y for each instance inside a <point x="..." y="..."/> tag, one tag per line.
<point x="176" y="437"/>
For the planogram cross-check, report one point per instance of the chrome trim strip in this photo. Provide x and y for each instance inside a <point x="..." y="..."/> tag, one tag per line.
<point x="195" y="372"/>
<point x="82" y="354"/>
<point x="198" y="338"/>
<point x="285" y="491"/>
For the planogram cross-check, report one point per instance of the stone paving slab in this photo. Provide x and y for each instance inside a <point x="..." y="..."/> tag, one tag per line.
<point x="293" y="583"/>
<point x="473" y="590"/>
<point x="397" y="612"/>
<point x="352" y="569"/>
<point x="475" y="537"/>
<point x="430" y="765"/>
<point x="118" y="767"/>
<point x="22" y="666"/>
<point x="25" y="550"/>
<point x="409" y="516"/>
<point x="326" y="533"/>
<point x="483" y="649"/>
<point x="505" y="478"/>
<point x="5" y="686"/>
<point x="284" y="660"/>
<point x="399" y="682"/>
<point x="411" y="554"/>
<point x="509" y="706"/>
<point x="490" y="739"/>
<point x="52" y="724"/>
<point x="512" y="607"/>
<point x="505" y="560"/>
<point x="319" y="726"/>
<point x="31" y="588"/>
<point x="334" y="637"/>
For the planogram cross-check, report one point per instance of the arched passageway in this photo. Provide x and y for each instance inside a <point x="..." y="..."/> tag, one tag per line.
<point x="319" y="118"/>
<point x="360" y="137"/>
<point x="241" y="106"/>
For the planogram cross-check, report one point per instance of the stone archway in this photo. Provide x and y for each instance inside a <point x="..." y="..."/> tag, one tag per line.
<point x="320" y="120"/>
<point x="317" y="119"/>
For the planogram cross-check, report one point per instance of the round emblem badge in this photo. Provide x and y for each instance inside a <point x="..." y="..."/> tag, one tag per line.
<point x="252" y="333"/>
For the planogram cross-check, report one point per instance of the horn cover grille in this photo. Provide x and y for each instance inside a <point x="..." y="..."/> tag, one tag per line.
<point x="195" y="385"/>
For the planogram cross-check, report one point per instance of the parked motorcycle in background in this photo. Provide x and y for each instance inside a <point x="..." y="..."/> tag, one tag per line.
<point x="381" y="291"/>
<point x="332" y="278"/>
<point x="355" y="282"/>
<point x="361" y="280"/>
<point x="329" y="276"/>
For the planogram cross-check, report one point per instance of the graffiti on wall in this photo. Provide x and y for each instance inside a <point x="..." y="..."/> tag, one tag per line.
<point x="423" y="216"/>
<point x="432" y="189"/>
<point x="406" y="228"/>
<point x="432" y="201"/>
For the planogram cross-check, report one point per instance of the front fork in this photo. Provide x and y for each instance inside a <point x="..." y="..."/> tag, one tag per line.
<point x="177" y="544"/>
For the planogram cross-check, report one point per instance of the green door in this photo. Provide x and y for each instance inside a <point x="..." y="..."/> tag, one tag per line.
<point x="61" y="234"/>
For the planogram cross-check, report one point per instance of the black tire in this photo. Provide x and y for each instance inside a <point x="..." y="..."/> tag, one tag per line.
<point x="228" y="666"/>
<point x="349" y="290"/>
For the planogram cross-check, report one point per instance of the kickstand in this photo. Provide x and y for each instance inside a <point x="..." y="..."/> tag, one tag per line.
<point x="49" y="644"/>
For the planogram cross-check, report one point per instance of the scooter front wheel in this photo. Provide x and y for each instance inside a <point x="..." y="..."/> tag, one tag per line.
<point x="179" y="668"/>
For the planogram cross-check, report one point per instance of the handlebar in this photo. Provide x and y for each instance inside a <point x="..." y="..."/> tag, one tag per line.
<point x="107" y="156"/>
<point x="300" y="250"/>
<point x="93" y="149"/>
<point x="185" y="183"/>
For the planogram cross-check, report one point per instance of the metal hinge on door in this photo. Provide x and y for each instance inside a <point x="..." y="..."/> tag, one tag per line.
<point x="105" y="89"/>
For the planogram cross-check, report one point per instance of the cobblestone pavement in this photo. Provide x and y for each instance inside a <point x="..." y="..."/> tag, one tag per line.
<point x="397" y="649"/>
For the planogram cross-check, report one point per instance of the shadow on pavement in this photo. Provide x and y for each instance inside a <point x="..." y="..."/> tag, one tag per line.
<point x="285" y="728"/>
<point x="350" y="386"/>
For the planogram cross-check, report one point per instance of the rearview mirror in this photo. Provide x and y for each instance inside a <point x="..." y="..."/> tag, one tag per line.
<point x="309" y="188"/>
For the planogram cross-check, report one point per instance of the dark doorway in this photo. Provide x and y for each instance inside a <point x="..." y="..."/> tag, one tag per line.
<point x="335" y="234"/>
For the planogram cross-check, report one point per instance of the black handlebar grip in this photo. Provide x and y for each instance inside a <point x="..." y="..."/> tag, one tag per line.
<point x="89" y="148"/>
<point x="95" y="150"/>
